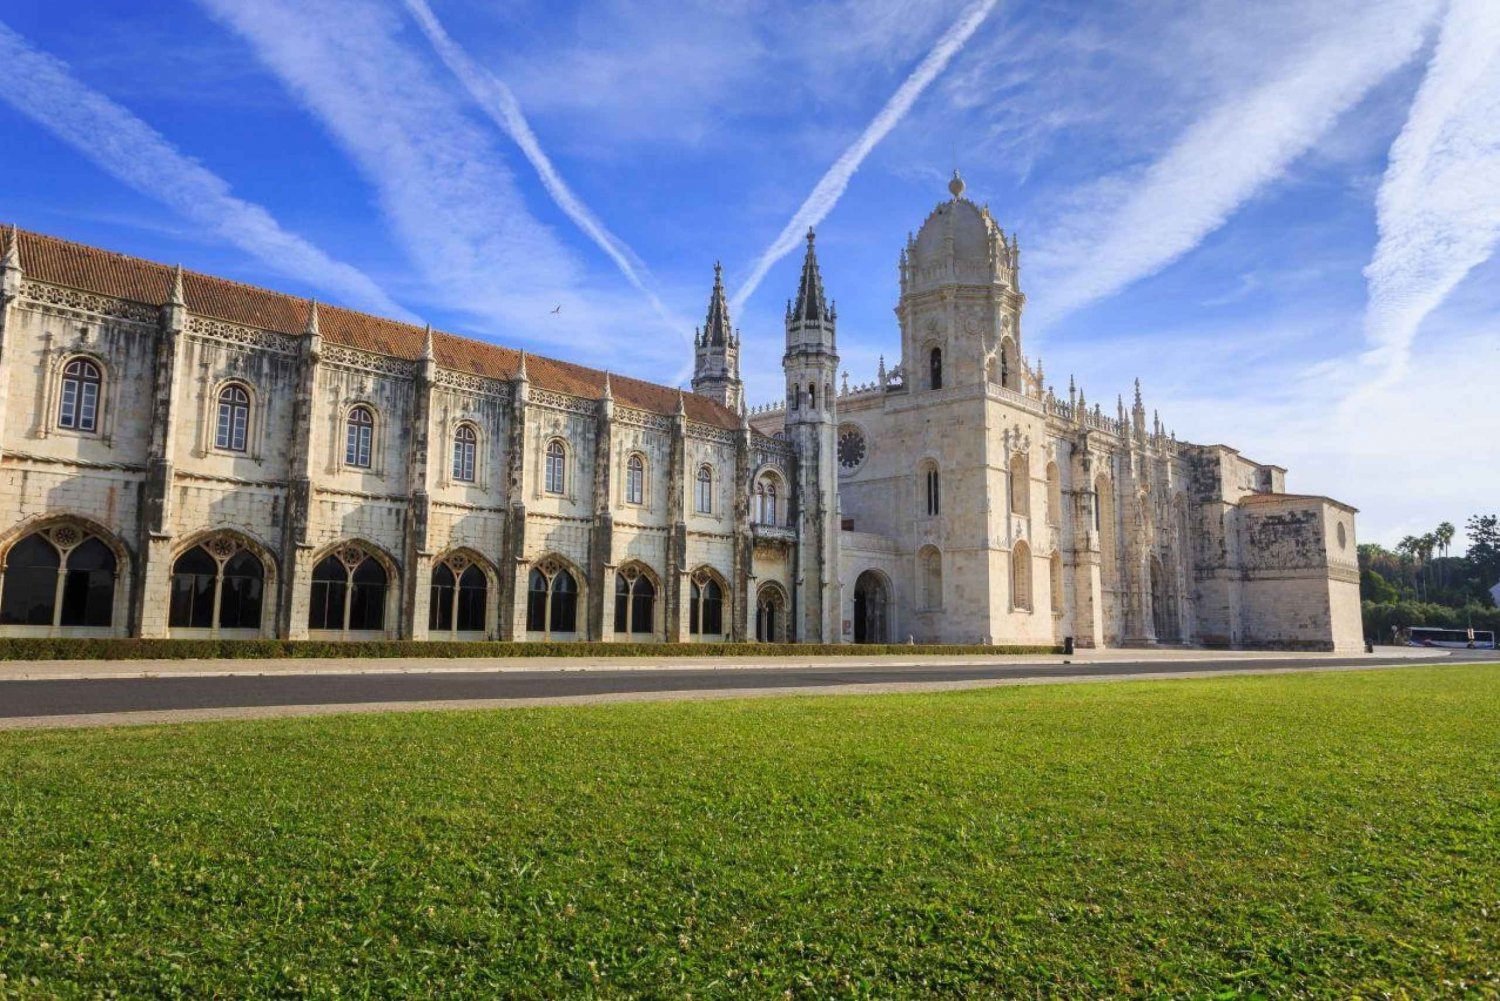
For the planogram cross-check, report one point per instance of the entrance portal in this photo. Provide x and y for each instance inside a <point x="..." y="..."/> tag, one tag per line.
<point x="871" y="601"/>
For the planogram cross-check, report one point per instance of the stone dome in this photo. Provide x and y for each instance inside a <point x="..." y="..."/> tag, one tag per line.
<point x="980" y="253"/>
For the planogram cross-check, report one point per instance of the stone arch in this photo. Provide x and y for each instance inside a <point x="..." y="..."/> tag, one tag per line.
<point x="223" y="543"/>
<point x="638" y="602"/>
<point x="90" y="596"/>
<point x="769" y="503"/>
<point x="703" y="584"/>
<point x="555" y="601"/>
<point x="325" y="617"/>
<point x="452" y="605"/>
<point x="872" y="607"/>
<point x="772" y="613"/>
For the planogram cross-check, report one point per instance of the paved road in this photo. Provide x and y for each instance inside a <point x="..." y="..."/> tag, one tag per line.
<point x="118" y="695"/>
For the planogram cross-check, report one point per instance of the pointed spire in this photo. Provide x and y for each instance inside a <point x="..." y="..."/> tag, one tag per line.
<point x="177" y="298"/>
<point x="681" y="404"/>
<point x="1138" y="405"/>
<point x="13" y="249"/>
<point x="810" y="302"/>
<point x="521" y="369"/>
<point x="609" y="393"/>
<point x="717" y="328"/>
<point x="429" y="350"/>
<point x="312" y="329"/>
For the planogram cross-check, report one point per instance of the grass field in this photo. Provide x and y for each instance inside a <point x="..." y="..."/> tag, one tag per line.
<point x="1326" y="834"/>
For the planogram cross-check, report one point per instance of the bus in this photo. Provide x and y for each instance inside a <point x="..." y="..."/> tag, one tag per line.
<point x="1468" y="639"/>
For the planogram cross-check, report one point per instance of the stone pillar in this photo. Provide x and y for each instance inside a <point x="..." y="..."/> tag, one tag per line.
<point x="154" y="571"/>
<point x="296" y="540"/>
<point x="10" y="290"/>
<point x="677" y="586"/>
<point x="743" y="602"/>
<point x="416" y="581"/>
<point x="512" y="615"/>
<point x="601" y="538"/>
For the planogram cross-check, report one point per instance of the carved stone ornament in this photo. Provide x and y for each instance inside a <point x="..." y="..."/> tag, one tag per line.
<point x="65" y="536"/>
<point x="221" y="547"/>
<point x="352" y="556"/>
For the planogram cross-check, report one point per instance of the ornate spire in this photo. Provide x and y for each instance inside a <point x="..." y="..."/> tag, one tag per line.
<point x="429" y="350"/>
<point x="177" y="297"/>
<point x="521" y="369"/>
<point x="717" y="328"/>
<point x="609" y="393"/>
<point x="681" y="404"/>
<point x="1138" y="405"/>
<point x="13" y="250"/>
<point x="312" y="319"/>
<point x="810" y="303"/>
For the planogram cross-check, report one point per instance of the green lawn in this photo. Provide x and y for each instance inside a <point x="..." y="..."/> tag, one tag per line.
<point x="1326" y="834"/>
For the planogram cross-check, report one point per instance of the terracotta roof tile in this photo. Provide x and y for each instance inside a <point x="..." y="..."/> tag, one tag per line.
<point x="90" y="269"/>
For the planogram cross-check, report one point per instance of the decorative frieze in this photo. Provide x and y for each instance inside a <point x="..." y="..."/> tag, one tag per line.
<point x="233" y="333"/>
<point x="366" y="361"/>
<point x="72" y="300"/>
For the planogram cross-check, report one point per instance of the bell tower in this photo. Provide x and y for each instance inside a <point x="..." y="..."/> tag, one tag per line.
<point x="811" y="364"/>
<point x="716" y="352"/>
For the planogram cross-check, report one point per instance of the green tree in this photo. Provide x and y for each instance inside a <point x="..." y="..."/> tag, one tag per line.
<point x="1484" y="548"/>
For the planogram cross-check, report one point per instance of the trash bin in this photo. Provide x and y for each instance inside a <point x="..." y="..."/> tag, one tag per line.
<point x="1068" y="645"/>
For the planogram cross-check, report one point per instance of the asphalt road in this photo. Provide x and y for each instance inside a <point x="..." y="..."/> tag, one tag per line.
<point x="114" y="695"/>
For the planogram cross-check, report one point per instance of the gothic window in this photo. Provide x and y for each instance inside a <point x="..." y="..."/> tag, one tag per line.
<point x="933" y="497"/>
<point x="635" y="480"/>
<point x="1010" y="364"/>
<point x="59" y="577"/>
<point x="460" y="592"/>
<point x="765" y="511"/>
<point x="706" y="611"/>
<point x="935" y="369"/>
<point x="232" y="428"/>
<point x="1020" y="577"/>
<point x="555" y="474"/>
<point x="465" y="453"/>
<point x="851" y="447"/>
<point x="78" y="406"/>
<point x="1020" y="485"/>
<point x="348" y="591"/>
<point x="704" y="491"/>
<point x="930" y="578"/>
<point x="359" y="437"/>
<point x="552" y="600"/>
<point x="812" y="396"/>
<point x="770" y="614"/>
<point x="635" y="602"/>
<point x="217" y="584"/>
<point x="1054" y="495"/>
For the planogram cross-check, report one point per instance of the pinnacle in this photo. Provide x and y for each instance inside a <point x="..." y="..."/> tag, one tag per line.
<point x="13" y="250"/>
<point x="717" y="328"/>
<point x="177" y="297"/>
<point x="312" y="318"/>
<point x="810" y="305"/>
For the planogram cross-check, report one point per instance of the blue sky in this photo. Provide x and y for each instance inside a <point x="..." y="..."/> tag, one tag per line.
<point x="1281" y="216"/>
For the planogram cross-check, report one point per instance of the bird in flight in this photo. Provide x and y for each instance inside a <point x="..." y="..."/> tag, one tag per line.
<point x="558" y="309"/>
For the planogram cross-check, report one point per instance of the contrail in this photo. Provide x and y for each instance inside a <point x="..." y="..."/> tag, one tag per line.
<point x="831" y="187"/>
<point x="500" y="104"/>
<point x="135" y="154"/>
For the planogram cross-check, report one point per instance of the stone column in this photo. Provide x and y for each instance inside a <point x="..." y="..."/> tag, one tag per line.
<point x="10" y="290"/>
<point x="296" y="540"/>
<point x="743" y="602"/>
<point x="512" y="615"/>
<point x="154" y="572"/>
<point x="676" y="584"/>
<point x="416" y="581"/>
<point x="601" y="538"/>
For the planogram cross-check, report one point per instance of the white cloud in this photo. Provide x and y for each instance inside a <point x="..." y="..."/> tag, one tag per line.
<point x="831" y="186"/>
<point x="1126" y="227"/>
<point x="42" y="88"/>
<point x="1438" y="208"/>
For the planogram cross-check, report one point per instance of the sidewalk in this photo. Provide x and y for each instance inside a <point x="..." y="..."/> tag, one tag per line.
<point x="64" y="670"/>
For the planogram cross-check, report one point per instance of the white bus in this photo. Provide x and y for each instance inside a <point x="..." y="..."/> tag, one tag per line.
<point x="1467" y="639"/>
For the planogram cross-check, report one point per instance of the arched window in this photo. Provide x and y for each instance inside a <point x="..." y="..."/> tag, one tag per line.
<point x="465" y="453"/>
<point x="555" y="474"/>
<point x="359" y="437"/>
<point x="706" y="612"/>
<point x="59" y="577"/>
<point x="348" y="592"/>
<point x="1020" y="485"/>
<point x="932" y="505"/>
<point x="218" y="584"/>
<point x="930" y="578"/>
<point x="233" y="427"/>
<point x="935" y="369"/>
<point x="703" y="496"/>
<point x="460" y="592"/>
<point x="1020" y="577"/>
<point x="1010" y="364"/>
<point x="770" y="614"/>
<point x="635" y="602"/>
<point x="78" y="405"/>
<point x="765" y="500"/>
<point x="793" y="397"/>
<point x="1054" y="495"/>
<point x="635" y="480"/>
<point x="552" y="600"/>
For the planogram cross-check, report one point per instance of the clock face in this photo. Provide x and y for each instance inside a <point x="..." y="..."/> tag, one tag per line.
<point x="851" y="447"/>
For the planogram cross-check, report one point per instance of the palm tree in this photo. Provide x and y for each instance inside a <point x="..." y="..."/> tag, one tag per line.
<point x="1408" y="549"/>
<point x="1445" y="532"/>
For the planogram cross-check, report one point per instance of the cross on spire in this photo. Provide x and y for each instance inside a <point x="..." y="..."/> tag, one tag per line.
<point x="717" y="328"/>
<point x="811" y="305"/>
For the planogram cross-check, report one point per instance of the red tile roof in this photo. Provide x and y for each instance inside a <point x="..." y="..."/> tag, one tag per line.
<point x="102" y="272"/>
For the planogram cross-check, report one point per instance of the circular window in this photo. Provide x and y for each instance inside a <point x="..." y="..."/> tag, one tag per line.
<point x="1343" y="537"/>
<point x="851" y="448"/>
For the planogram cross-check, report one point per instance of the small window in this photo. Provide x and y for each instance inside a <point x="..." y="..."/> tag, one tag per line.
<point x="934" y="499"/>
<point x="765" y="502"/>
<point x="234" y="419"/>
<point x="635" y="480"/>
<point x="935" y="368"/>
<point x="359" y="438"/>
<point x="79" y="407"/>
<point x="1020" y="570"/>
<point x="704" y="491"/>
<point x="465" y="451"/>
<point x="554" y="479"/>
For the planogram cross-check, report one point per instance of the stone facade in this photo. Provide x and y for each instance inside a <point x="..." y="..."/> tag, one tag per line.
<point x="186" y="456"/>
